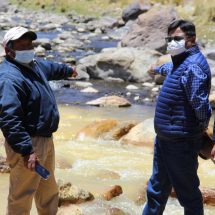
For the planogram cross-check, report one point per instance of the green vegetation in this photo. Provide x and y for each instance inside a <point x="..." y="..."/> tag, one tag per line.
<point x="86" y="7"/>
<point x="201" y="12"/>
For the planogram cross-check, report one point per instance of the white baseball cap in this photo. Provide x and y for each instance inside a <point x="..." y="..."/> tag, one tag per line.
<point x="15" y="33"/>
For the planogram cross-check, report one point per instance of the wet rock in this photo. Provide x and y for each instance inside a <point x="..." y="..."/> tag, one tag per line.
<point x="129" y="64"/>
<point x="89" y="90"/>
<point x="122" y="129"/>
<point x="211" y="56"/>
<point x="208" y="195"/>
<point x="103" y="23"/>
<point x="49" y="27"/>
<point x="134" y="10"/>
<point x="117" y="80"/>
<point x="150" y="28"/>
<point x="40" y="51"/>
<point x="148" y="85"/>
<point x="4" y="168"/>
<point x="82" y="72"/>
<point x="114" y="101"/>
<point x="107" y="174"/>
<point x="142" y="134"/>
<point x="96" y="129"/>
<point x="70" y="210"/>
<point x="70" y="194"/>
<point x="132" y="87"/>
<point x="115" y="211"/>
<point x="83" y="84"/>
<point x="44" y="42"/>
<point x="112" y="192"/>
<point x="70" y="60"/>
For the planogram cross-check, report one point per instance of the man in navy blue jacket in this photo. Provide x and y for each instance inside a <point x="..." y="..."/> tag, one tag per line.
<point x="28" y="117"/>
<point x="181" y="117"/>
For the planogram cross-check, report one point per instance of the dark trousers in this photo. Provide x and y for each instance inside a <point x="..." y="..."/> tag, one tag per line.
<point x="175" y="165"/>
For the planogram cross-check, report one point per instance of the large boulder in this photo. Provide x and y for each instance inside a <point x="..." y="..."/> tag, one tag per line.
<point x="134" y="10"/>
<point x="142" y="134"/>
<point x="70" y="194"/>
<point x="96" y="129"/>
<point x="129" y="64"/>
<point x="150" y="29"/>
<point x="107" y="129"/>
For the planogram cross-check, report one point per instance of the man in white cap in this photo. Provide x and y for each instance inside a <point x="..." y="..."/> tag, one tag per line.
<point x="28" y="117"/>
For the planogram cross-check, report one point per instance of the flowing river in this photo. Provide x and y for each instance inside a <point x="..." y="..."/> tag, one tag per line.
<point x="93" y="164"/>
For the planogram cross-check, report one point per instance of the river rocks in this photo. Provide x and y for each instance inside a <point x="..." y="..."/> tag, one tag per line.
<point x="211" y="55"/>
<point x="150" y="29"/>
<point x="129" y="64"/>
<point x="105" y="129"/>
<point x="115" y="211"/>
<point x="107" y="174"/>
<point x="96" y="129"/>
<point x="70" y="210"/>
<point x="131" y="87"/>
<point x="89" y="90"/>
<point x="142" y="134"/>
<point x="4" y="168"/>
<point x="121" y="129"/>
<point x="83" y="84"/>
<point x="44" y="42"/>
<point x="114" y="101"/>
<point x="70" y="194"/>
<point x="208" y="195"/>
<point x="112" y="192"/>
<point x="134" y="10"/>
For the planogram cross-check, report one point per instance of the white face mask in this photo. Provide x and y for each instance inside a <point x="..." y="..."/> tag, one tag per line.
<point x="25" y="56"/>
<point x="176" y="47"/>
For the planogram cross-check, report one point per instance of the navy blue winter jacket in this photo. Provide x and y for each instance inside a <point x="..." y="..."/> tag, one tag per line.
<point x="27" y="104"/>
<point x="177" y="115"/>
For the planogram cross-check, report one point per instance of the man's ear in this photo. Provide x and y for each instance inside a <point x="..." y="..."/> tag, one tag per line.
<point x="190" y="41"/>
<point x="9" y="52"/>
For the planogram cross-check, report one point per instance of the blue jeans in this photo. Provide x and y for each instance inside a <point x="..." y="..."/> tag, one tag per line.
<point x="175" y="165"/>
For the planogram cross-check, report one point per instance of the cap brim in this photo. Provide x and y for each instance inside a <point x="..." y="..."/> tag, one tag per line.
<point x="30" y="34"/>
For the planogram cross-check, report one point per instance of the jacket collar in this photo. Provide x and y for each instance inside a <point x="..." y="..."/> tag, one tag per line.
<point x="178" y="59"/>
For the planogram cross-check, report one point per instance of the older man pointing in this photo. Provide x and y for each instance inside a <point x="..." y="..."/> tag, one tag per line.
<point x="28" y="118"/>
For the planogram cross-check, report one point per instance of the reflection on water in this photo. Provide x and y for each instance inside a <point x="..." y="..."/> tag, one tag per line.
<point x="96" y="164"/>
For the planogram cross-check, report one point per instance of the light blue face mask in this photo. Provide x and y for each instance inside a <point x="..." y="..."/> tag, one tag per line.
<point x="25" y="56"/>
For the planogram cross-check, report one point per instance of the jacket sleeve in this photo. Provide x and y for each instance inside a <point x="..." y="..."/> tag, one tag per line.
<point x="55" y="71"/>
<point x="11" y="118"/>
<point x="164" y="69"/>
<point x="196" y="85"/>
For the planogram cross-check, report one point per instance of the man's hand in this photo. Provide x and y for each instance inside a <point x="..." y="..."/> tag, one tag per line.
<point x="151" y="71"/>
<point x="213" y="153"/>
<point x="30" y="160"/>
<point x="74" y="73"/>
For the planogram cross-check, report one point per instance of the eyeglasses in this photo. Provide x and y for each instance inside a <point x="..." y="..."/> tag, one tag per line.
<point x="176" y="38"/>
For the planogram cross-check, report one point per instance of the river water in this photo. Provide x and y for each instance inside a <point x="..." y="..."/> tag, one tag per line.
<point x="96" y="164"/>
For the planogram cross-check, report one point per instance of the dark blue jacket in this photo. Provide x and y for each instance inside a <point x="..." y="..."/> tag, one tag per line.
<point x="27" y="104"/>
<point x="174" y="116"/>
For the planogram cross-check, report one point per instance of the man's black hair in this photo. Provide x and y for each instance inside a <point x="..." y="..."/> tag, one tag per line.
<point x="186" y="26"/>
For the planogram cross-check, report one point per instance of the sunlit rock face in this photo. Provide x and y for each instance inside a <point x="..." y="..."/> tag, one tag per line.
<point x="150" y="29"/>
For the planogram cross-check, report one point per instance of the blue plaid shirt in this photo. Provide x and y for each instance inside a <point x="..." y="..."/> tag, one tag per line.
<point x="195" y="83"/>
